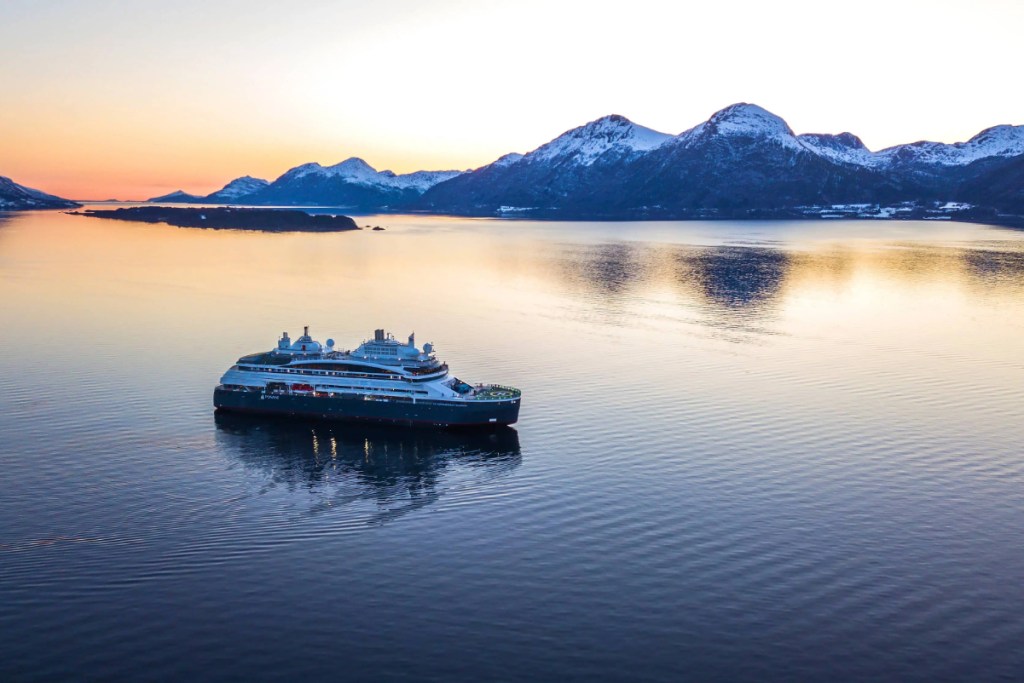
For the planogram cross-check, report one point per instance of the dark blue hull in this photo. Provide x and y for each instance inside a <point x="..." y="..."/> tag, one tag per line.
<point x="354" y="407"/>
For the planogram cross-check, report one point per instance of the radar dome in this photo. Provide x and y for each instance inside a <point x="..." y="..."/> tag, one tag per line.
<point x="330" y="343"/>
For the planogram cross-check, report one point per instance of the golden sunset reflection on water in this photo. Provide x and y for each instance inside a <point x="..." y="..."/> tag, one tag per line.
<point x="422" y="265"/>
<point x="80" y="276"/>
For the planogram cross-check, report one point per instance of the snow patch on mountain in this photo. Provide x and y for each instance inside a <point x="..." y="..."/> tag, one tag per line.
<point x="844" y="148"/>
<point x="584" y="145"/>
<point x="508" y="160"/>
<point x="421" y="181"/>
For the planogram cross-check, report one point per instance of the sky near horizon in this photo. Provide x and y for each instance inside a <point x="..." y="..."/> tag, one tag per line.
<point x="134" y="99"/>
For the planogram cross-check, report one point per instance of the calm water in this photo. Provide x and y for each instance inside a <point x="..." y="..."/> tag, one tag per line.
<point x="746" y="452"/>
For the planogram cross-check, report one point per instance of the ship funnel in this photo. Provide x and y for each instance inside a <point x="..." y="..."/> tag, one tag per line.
<point x="412" y="340"/>
<point x="378" y="335"/>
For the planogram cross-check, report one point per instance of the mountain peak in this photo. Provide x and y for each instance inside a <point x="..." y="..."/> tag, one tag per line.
<point x="330" y="181"/>
<point x="352" y="165"/>
<point x="997" y="141"/>
<point x="247" y="180"/>
<point x="584" y="144"/>
<point x="508" y="159"/>
<point x="176" y="196"/>
<point x="748" y="119"/>
<point x="238" y="188"/>
<point x="609" y="121"/>
<point x="1002" y="140"/>
<point x="302" y="170"/>
<point x="617" y="126"/>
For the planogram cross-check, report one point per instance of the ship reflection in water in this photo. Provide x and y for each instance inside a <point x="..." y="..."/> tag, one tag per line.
<point x="379" y="473"/>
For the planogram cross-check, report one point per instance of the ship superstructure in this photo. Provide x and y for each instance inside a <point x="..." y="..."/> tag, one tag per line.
<point x="382" y="380"/>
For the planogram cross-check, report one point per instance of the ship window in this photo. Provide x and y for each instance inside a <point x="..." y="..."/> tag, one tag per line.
<point x="347" y="367"/>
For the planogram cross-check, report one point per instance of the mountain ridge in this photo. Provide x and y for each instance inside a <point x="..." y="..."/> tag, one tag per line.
<point x="743" y="161"/>
<point x="351" y="181"/>
<point x="15" y="197"/>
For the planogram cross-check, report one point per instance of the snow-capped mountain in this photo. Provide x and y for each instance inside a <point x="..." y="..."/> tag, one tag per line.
<point x="751" y="121"/>
<point x="233" y="192"/>
<point x="178" y="196"/>
<point x="998" y="141"/>
<point x="742" y="161"/>
<point x="352" y="183"/>
<point x="354" y="170"/>
<point x="550" y="174"/>
<point x="609" y="165"/>
<point x="357" y="172"/>
<point x="15" y="197"/>
<point x="238" y="188"/>
<point x="741" y="120"/>
<point x="610" y="135"/>
<point x="421" y="181"/>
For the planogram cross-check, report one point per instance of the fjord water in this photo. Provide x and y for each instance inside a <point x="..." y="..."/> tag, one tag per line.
<point x="746" y="451"/>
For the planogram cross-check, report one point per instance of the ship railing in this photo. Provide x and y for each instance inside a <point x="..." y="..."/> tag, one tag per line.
<point x="426" y="370"/>
<point x="502" y="387"/>
<point x="495" y="391"/>
<point x="399" y="362"/>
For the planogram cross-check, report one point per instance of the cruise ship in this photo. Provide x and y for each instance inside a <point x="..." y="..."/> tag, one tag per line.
<point x="383" y="380"/>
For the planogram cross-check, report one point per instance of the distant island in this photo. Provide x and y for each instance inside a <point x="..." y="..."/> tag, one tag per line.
<point x="266" y="220"/>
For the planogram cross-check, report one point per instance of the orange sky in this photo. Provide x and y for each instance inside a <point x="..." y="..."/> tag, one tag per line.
<point x="106" y="100"/>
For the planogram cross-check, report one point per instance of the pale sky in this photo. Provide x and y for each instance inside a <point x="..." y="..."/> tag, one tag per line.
<point x="131" y="99"/>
